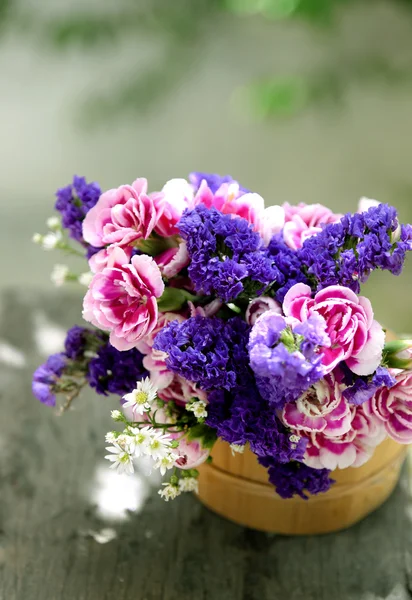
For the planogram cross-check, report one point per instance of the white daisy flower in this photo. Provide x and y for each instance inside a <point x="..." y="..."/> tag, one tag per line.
<point x="188" y="484"/>
<point x="198" y="408"/>
<point x="59" y="275"/>
<point x="122" y="460"/>
<point x="165" y="463"/>
<point x="237" y="449"/>
<point x="141" y="439"/>
<point x="141" y="398"/>
<point x="159" y="446"/>
<point x="169" y="492"/>
<point x="110" y="437"/>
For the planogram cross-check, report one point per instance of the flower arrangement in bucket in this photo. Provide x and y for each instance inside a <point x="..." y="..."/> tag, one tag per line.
<point x="249" y="366"/>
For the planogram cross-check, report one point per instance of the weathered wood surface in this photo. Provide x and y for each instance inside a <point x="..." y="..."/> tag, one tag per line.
<point x="164" y="551"/>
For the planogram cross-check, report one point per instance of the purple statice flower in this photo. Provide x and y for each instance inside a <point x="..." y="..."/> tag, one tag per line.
<point x="296" y="479"/>
<point x="83" y="339"/>
<point x="243" y="417"/>
<point x="364" y="388"/>
<point x="227" y="257"/>
<point x="289" y="267"/>
<point x="114" y="372"/>
<point x="46" y="377"/>
<point x="208" y="351"/>
<point x="345" y="253"/>
<point x="213" y="181"/>
<point x="74" y="202"/>
<point x="75" y="343"/>
<point x="286" y="360"/>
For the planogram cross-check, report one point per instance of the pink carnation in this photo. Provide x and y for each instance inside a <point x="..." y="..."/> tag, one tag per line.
<point x="122" y="298"/>
<point x="177" y="195"/>
<point x="321" y="409"/>
<point x="352" y="449"/>
<point x="394" y="407"/>
<point x="173" y="260"/>
<point x="260" y="305"/>
<point x="181" y="391"/>
<point x="355" y="336"/>
<point x="99" y="261"/>
<point x="122" y="216"/>
<point x="191" y="453"/>
<point x="305" y="220"/>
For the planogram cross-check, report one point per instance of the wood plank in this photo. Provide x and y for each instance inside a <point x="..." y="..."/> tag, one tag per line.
<point x="164" y="551"/>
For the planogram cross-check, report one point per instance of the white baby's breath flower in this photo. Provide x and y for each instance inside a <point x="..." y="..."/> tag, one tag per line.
<point x="121" y="459"/>
<point x="159" y="446"/>
<point x="51" y="240"/>
<point x="37" y="238"/>
<point x="141" y="398"/>
<point x="166" y="463"/>
<point x="85" y="278"/>
<point x="188" y="484"/>
<point x="237" y="449"/>
<point x="53" y="223"/>
<point x="198" y="408"/>
<point x="169" y="492"/>
<point x="116" y="415"/>
<point x="59" y="275"/>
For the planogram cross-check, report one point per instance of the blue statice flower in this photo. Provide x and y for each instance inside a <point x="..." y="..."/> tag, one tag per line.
<point x="362" y="389"/>
<point x="227" y="257"/>
<point x="243" y="417"/>
<point x="74" y="202"/>
<point x="296" y="478"/>
<point x="289" y="266"/>
<point x="287" y="361"/>
<point x="208" y="351"/>
<point x="115" y="372"/>
<point x="345" y="253"/>
<point x="213" y="181"/>
<point x="46" y="377"/>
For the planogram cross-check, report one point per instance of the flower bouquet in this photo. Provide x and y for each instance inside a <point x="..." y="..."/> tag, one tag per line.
<point x="229" y="328"/>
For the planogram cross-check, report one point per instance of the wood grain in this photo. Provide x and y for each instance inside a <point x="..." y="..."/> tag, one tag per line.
<point x="236" y="487"/>
<point x="175" y="551"/>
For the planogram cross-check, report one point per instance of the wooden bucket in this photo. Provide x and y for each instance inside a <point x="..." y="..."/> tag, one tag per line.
<point x="237" y="488"/>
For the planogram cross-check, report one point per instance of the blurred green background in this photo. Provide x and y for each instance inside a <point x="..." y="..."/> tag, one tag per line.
<point x="301" y="100"/>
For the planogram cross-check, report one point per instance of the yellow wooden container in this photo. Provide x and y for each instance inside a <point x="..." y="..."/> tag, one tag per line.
<point x="237" y="488"/>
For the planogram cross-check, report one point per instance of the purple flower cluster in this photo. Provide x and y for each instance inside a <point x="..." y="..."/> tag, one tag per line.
<point x="289" y="267"/>
<point x="88" y="354"/>
<point x="227" y="256"/>
<point x="114" y="372"/>
<point x="286" y="361"/>
<point x="74" y="202"/>
<point x="296" y="478"/>
<point x="46" y="377"/>
<point x="208" y="351"/>
<point x="213" y="181"/>
<point x="243" y="416"/>
<point x="364" y="388"/>
<point x="345" y="253"/>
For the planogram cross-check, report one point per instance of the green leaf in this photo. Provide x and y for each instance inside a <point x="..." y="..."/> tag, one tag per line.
<point x="174" y="299"/>
<point x="205" y="434"/>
